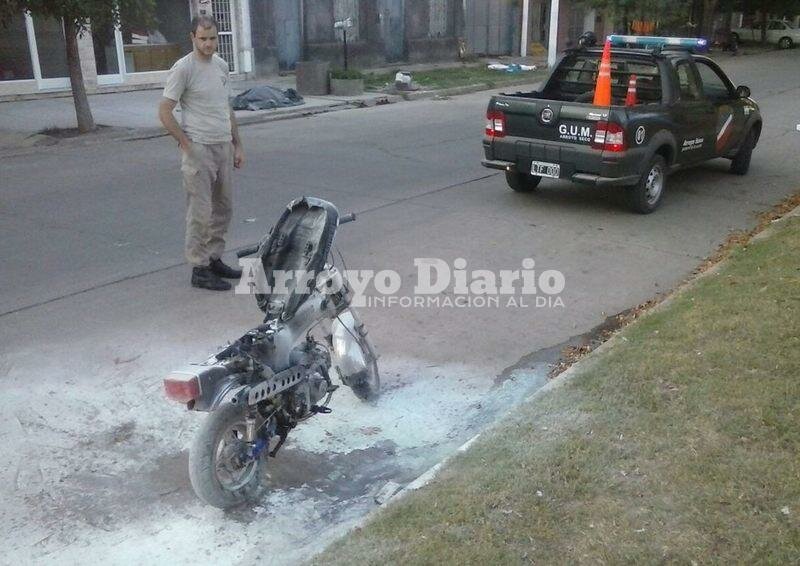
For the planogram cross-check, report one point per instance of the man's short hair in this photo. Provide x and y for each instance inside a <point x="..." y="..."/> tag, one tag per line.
<point x="203" y="21"/>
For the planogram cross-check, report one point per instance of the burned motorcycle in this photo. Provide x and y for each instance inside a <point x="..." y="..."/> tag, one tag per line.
<point x="278" y="374"/>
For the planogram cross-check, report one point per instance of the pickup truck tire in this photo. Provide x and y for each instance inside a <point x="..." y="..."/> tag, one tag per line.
<point x="522" y="182"/>
<point x="740" y="164"/>
<point x="785" y="43"/>
<point x="646" y="195"/>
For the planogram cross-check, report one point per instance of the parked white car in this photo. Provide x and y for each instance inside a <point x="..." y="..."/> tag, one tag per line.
<point x="779" y="32"/>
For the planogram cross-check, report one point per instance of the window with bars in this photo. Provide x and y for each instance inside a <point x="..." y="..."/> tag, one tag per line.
<point x="222" y="12"/>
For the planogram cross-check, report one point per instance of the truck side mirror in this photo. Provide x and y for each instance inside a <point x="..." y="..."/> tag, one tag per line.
<point x="743" y="91"/>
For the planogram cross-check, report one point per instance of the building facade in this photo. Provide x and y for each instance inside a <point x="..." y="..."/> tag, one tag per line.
<point x="33" y="54"/>
<point x="261" y="37"/>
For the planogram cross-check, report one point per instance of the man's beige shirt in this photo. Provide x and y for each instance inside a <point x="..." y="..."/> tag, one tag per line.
<point x="203" y="91"/>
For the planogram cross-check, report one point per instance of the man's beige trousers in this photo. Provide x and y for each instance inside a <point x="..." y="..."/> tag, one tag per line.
<point x="207" y="173"/>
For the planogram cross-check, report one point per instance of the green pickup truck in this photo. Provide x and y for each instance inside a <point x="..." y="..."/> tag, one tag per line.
<point x="686" y="111"/>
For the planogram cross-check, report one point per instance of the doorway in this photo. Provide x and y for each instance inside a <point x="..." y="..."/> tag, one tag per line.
<point x="287" y="32"/>
<point x="392" y="18"/>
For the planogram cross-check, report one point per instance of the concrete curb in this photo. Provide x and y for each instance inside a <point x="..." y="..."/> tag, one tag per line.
<point x="430" y="474"/>
<point x="561" y="379"/>
<point x="158" y="132"/>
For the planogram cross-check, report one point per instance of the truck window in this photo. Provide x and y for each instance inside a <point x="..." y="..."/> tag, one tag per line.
<point x="687" y="82"/>
<point x="714" y="86"/>
<point x="576" y="76"/>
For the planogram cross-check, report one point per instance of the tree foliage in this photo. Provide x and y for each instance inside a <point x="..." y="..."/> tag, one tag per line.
<point x="671" y="15"/>
<point x="687" y="17"/>
<point x="82" y="12"/>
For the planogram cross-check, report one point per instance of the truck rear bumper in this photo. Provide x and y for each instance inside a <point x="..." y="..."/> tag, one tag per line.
<point x="584" y="178"/>
<point x="498" y="164"/>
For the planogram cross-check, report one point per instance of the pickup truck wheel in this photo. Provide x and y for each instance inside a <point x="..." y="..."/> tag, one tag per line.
<point x="646" y="195"/>
<point x="785" y="43"/>
<point x="522" y="182"/>
<point x="740" y="164"/>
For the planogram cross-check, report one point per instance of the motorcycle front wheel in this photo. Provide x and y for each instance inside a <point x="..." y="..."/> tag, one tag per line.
<point x="366" y="384"/>
<point x="353" y="358"/>
<point x="220" y="470"/>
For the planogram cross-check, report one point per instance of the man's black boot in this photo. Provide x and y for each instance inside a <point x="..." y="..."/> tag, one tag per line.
<point x="205" y="278"/>
<point x="225" y="271"/>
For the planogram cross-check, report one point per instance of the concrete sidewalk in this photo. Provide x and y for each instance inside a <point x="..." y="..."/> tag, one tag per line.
<point x="127" y="115"/>
<point x="134" y="113"/>
<point x="134" y="109"/>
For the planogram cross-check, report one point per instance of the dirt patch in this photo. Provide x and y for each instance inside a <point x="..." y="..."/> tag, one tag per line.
<point x="65" y="133"/>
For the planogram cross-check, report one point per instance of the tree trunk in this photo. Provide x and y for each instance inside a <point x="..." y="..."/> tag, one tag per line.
<point x="709" y="7"/>
<point x="763" y="18"/>
<point x="83" y="112"/>
<point x="625" y="25"/>
<point x="726" y="21"/>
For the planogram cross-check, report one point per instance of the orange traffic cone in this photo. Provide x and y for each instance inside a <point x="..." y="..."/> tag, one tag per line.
<point x="630" y="98"/>
<point x="602" y="90"/>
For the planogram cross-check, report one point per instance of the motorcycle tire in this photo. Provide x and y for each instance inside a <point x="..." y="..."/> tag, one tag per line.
<point x="216" y="451"/>
<point x="366" y="384"/>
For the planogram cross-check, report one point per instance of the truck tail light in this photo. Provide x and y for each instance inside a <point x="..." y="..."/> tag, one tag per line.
<point x="609" y="136"/>
<point x="495" y="124"/>
<point x="182" y="387"/>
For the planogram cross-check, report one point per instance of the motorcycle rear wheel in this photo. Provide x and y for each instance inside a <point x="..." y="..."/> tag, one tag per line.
<point x="219" y="470"/>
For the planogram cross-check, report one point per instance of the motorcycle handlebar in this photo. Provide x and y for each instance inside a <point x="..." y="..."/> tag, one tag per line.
<point x="347" y="218"/>
<point x="253" y="249"/>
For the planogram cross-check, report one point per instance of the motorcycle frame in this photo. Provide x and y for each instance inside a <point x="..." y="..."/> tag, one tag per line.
<point x="224" y="381"/>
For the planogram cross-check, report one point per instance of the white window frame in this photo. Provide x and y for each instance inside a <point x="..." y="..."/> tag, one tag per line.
<point x="118" y="77"/>
<point x="43" y="84"/>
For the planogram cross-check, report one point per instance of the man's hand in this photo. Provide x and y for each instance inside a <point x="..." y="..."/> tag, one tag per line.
<point x="238" y="156"/>
<point x="238" y="152"/>
<point x="165" y="108"/>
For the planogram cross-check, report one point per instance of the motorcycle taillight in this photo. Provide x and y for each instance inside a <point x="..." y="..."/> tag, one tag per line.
<point x="182" y="387"/>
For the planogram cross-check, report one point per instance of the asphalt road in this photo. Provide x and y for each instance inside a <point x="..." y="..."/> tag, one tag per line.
<point x="95" y="308"/>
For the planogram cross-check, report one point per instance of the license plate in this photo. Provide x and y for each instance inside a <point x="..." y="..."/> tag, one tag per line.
<point x="542" y="169"/>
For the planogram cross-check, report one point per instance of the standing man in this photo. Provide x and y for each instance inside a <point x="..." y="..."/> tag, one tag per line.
<point x="210" y="149"/>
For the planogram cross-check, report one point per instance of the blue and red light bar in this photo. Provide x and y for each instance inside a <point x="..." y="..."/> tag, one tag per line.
<point x="645" y="41"/>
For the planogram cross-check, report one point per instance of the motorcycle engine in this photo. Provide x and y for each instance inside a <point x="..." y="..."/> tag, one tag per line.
<point x="316" y="357"/>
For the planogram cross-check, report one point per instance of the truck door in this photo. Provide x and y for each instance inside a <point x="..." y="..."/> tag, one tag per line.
<point x="695" y="116"/>
<point x="729" y="108"/>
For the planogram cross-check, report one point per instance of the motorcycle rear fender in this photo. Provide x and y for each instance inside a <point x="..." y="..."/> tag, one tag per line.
<point x="217" y="385"/>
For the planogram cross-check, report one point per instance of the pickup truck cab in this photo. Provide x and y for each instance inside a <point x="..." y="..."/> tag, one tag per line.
<point x="686" y="111"/>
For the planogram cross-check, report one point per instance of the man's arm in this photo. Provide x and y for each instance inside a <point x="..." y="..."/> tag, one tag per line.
<point x="165" y="108"/>
<point x="238" y="150"/>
